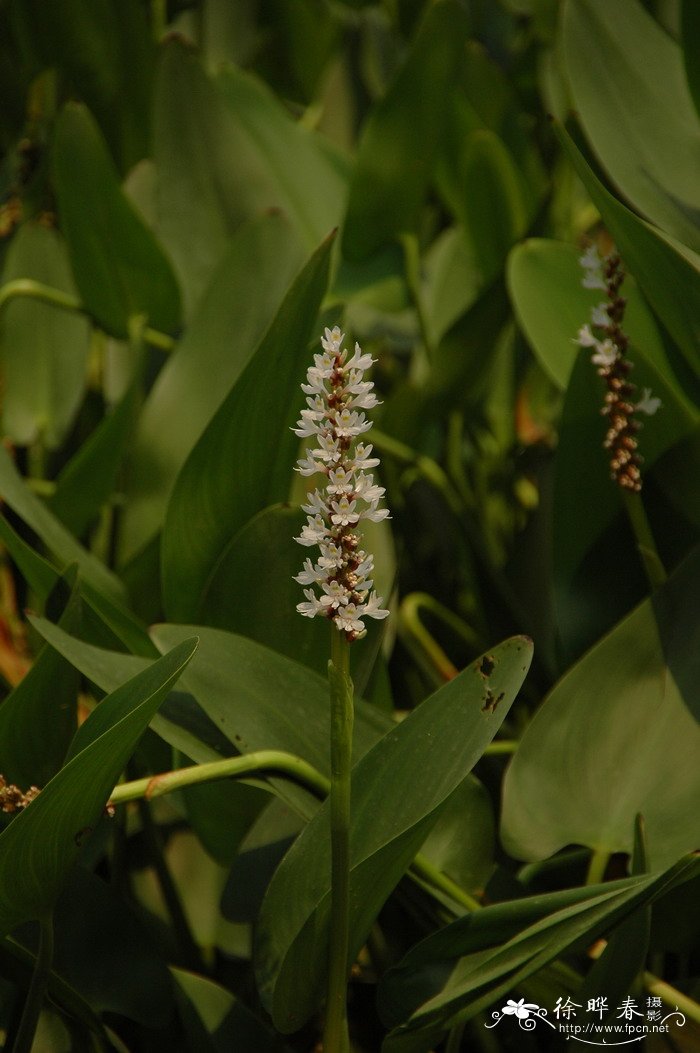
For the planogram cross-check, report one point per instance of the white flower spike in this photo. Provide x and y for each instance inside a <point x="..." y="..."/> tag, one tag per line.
<point x="336" y="391"/>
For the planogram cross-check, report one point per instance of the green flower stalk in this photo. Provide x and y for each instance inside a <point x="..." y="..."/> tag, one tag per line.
<point x="339" y="589"/>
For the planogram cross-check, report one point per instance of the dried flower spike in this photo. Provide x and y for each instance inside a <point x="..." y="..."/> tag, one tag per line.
<point x="609" y="355"/>
<point x="12" y="799"/>
<point x="337" y="394"/>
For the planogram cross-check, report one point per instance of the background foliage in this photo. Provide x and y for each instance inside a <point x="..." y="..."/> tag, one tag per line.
<point x="189" y="192"/>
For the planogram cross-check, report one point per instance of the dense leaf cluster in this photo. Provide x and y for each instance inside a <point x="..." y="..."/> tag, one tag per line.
<point x="189" y="193"/>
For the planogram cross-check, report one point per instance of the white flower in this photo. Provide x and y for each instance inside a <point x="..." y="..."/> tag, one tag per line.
<point x="340" y="480"/>
<point x="336" y="594"/>
<point x="373" y="607"/>
<point x="348" y="424"/>
<point x="311" y="574"/>
<point x="585" y="337"/>
<point x="336" y="393"/>
<point x="315" y="505"/>
<point x="348" y="618"/>
<point x="315" y="531"/>
<point x="600" y="316"/>
<point x="593" y="266"/>
<point x="313" y="605"/>
<point x="605" y="353"/>
<point x="648" y="403"/>
<point x="343" y="512"/>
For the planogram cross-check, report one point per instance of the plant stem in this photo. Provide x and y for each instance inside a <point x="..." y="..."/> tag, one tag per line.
<point x="596" y="866"/>
<point x="37" y="988"/>
<point x="336" y="1037"/>
<point x="261" y="762"/>
<point x="435" y="878"/>
<point x="646" y="545"/>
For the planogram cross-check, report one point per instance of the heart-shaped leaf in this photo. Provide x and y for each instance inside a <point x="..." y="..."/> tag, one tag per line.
<point x="614" y="739"/>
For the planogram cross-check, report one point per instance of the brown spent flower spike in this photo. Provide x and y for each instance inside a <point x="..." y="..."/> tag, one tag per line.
<point x="610" y="356"/>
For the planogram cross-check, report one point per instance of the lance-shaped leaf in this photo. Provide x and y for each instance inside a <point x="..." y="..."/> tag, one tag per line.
<point x="243" y="461"/>
<point x="38" y="718"/>
<point x="119" y="267"/>
<point x="244" y="293"/>
<point x="249" y="698"/>
<point x="401" y="136"/>
<point x="43" y="842"/>
<point x="399" y="789"/>
<point x="59" y="541"/>
<point x="480" y="979"/>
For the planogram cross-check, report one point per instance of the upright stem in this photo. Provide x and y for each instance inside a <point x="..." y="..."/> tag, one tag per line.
<point x="336" y="1037"/>
<point x="636" y="512"/>
<point x="37" y="988"/>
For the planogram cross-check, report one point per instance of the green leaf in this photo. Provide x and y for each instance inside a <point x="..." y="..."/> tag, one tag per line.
<point x="119" y="267"/>
<point x="109" y="670"/>
<point x="463" y="841"/>
<point x="544" y="284"/>
<point x="254" y="697"/>
<point x="105" y="52"/>
<point x="38" y="717"/>
<point x="243" y="295"/>
<point x="428" y="966"/>
<point x="690" y="33"/>
<point x="492" y="206"/>
<point x="621" y="965"/>
<point x="262" y="700"/>
<point x="668" y="273"/>
<point x="88" y="481"/>
<point x="631" y="96"/>
<point x="293" y="170"/>
<point x="225" y="1021"/>
<point x="479" y="981"/>
<point x="451" y="281"/>
<point x="36" y="571"/>
<point x="613" y="739"/>
<point x="123" y="972"/>
<point x="243" y="461"/>
<point x="43" y="348"/>
<point x="42" y="843"/>
<point x="392" y="813"/>
<point x="51" y="531"/>
<point x="401" y="136"/>
<point x="225" y="151"/>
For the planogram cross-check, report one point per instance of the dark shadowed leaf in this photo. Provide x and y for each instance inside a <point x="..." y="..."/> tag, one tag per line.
<point x="44" y="839"/>
<point x="119" y="267"/>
